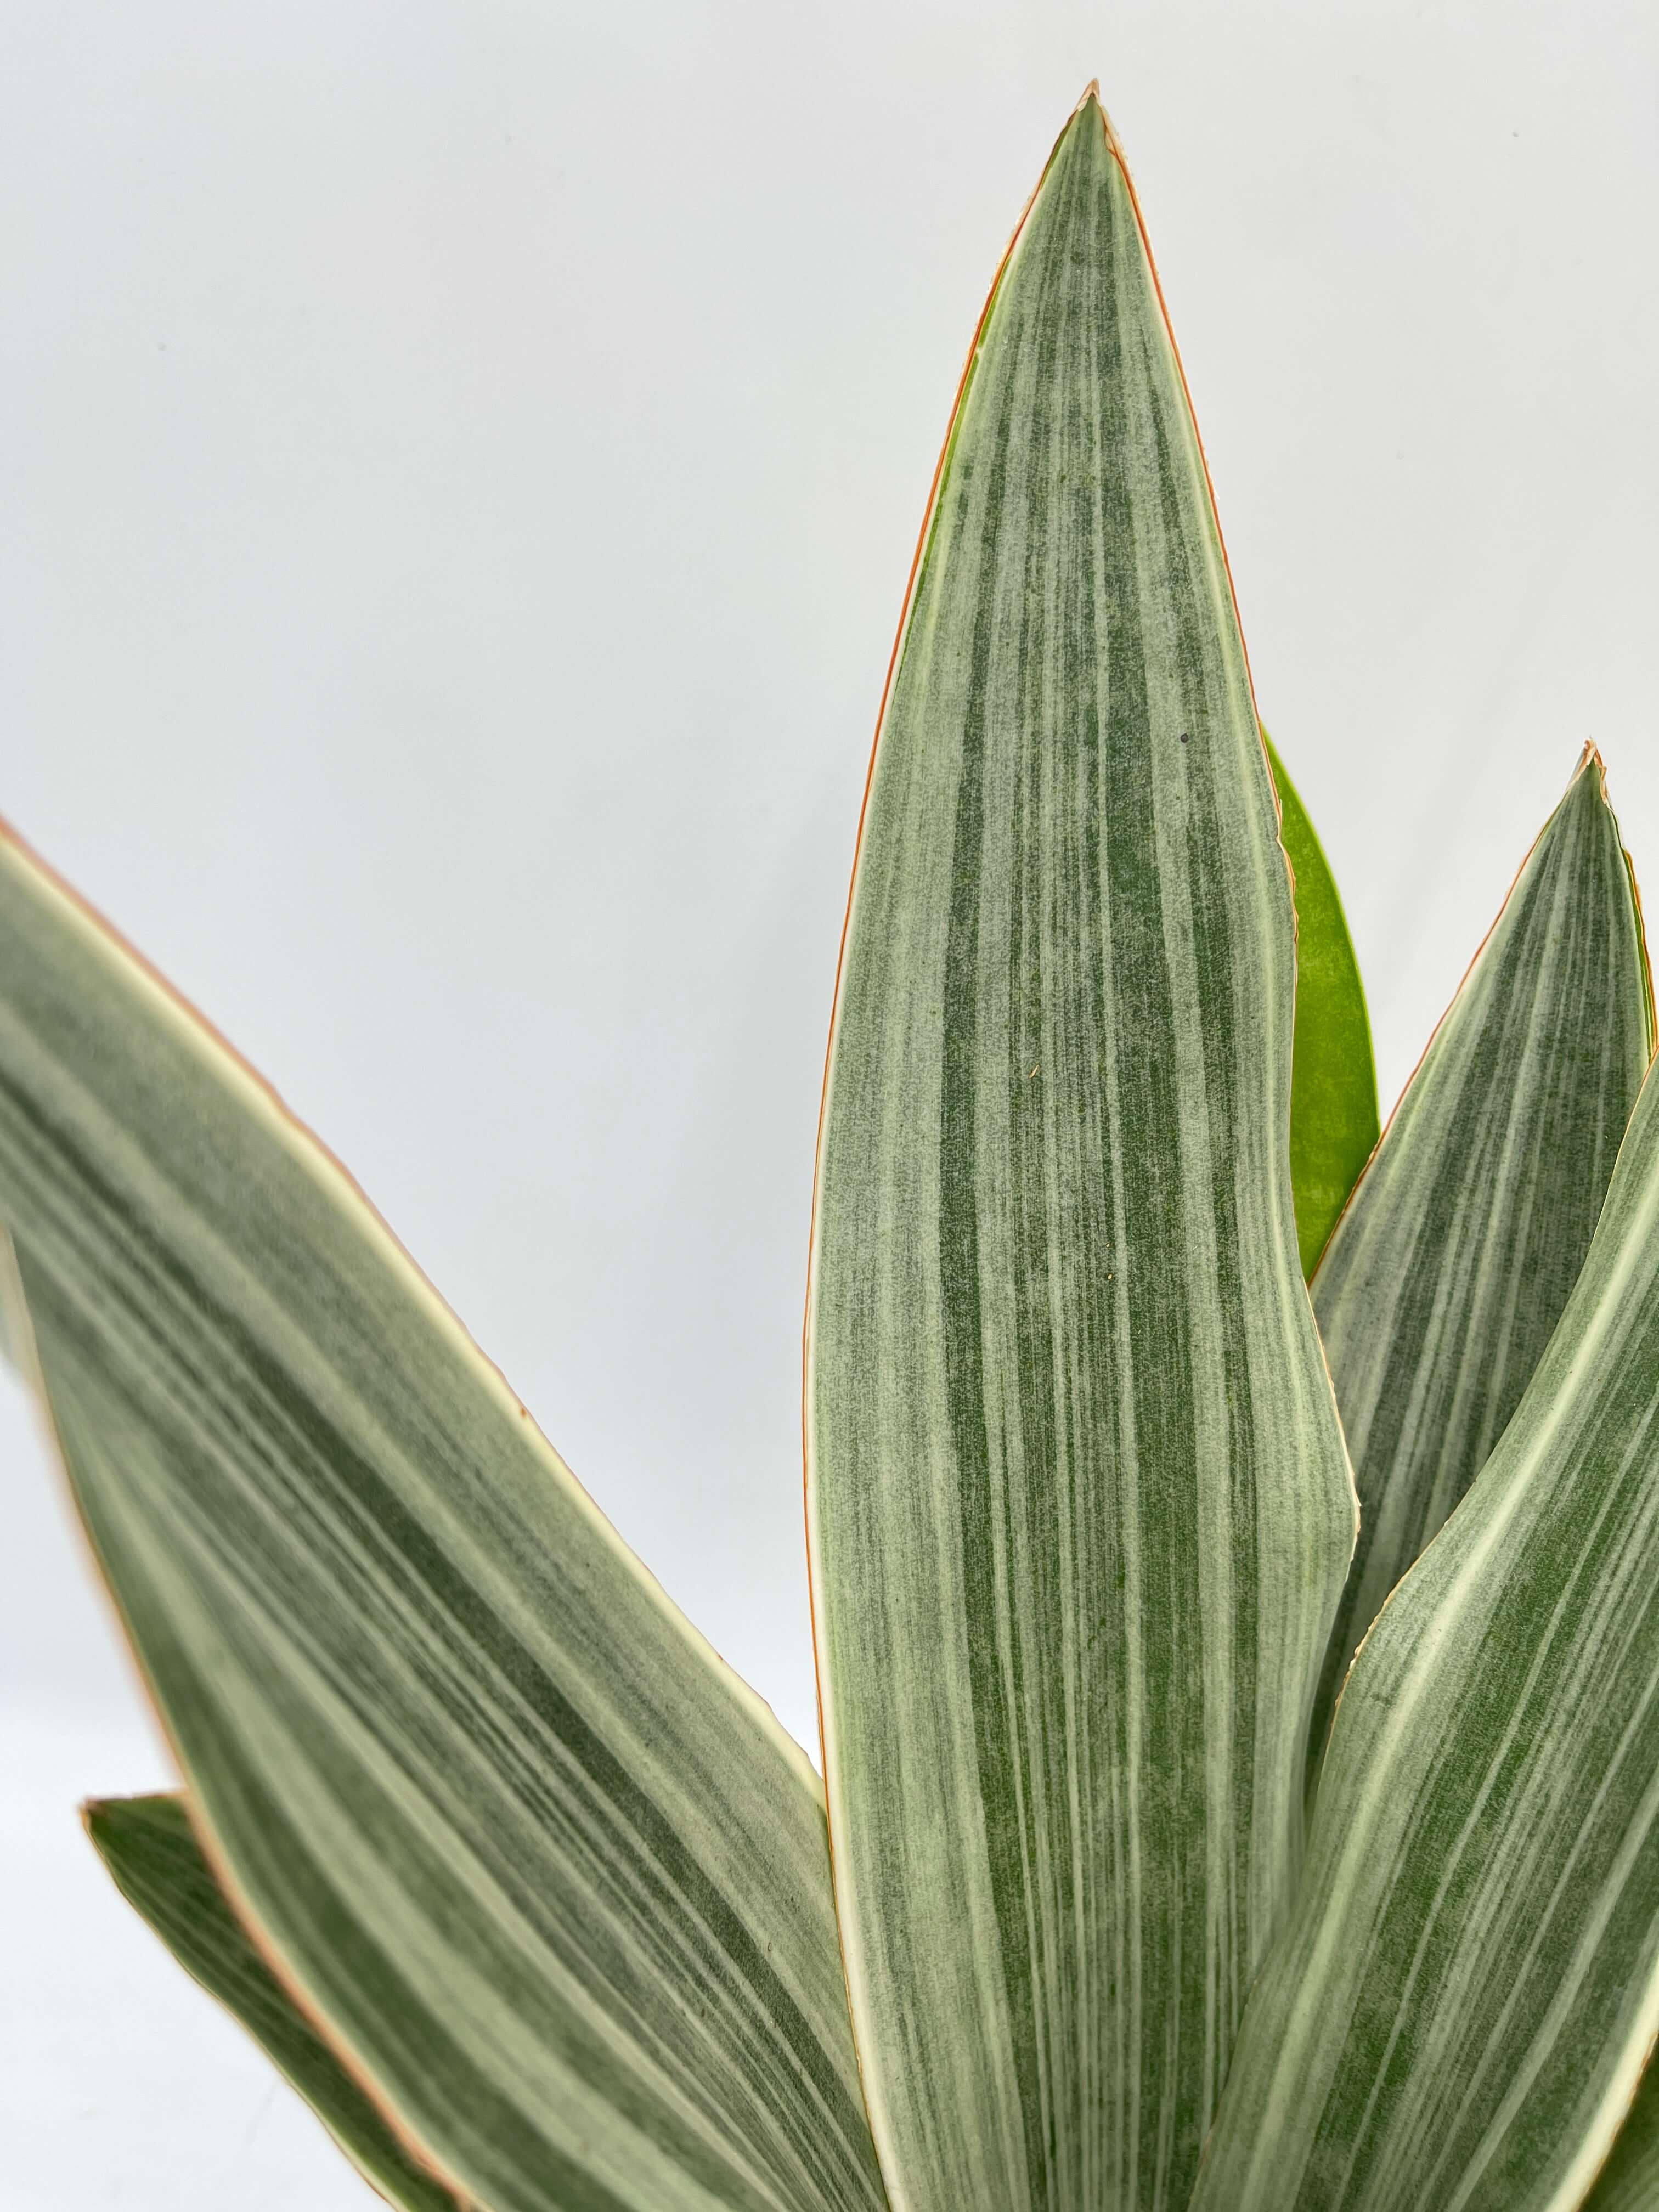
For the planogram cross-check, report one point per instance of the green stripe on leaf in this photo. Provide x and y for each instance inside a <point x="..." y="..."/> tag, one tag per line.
<point x="1461" y="2008"/>
<point x="1077" y="1501"/>
<point x="553" y="1882"/>
<point x="148" y="1845"/>
<point x="1438" y="1292"/>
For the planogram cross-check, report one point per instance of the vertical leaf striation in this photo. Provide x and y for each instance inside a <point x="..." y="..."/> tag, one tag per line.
<point x="552" y="1881"/>
<point x="1629" y="2182"/>
<point x="1457" y="2015"/>
<point x="1079" y="1504"/>
<point x="1439" y="1289"/>
<point x="157" y="1864"/>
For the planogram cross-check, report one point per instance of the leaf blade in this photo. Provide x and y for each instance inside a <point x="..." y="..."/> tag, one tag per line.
<point x="1629" y="2182"/>
<point x="1461" y="2007"/>
<point x="555" y="1881"/>
<point x="971" y="1635"/>
<point x="148" y="1847"/>
<point x="1450" y="1269"/>
<point x="1334" y="1119"/>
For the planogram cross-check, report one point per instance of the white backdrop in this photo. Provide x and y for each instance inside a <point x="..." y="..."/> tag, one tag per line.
<point x="461" y="462"/>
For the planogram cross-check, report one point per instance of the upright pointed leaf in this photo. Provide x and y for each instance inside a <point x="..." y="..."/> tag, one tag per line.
<point x="1460" y="2010"/>
<point x="550" y="1877"/>
<point x="1449" y="1270"/>
<point x="157" y="1864"/>
<point x="1079" y="1505"/>
<point x="1334" y="1075"/>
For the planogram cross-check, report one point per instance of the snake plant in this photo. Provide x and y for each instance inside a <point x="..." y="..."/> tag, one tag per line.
<point x="1239" y="1693"/>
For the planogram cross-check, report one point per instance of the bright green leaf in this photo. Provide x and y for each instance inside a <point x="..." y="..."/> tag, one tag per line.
<point x="553" y="1881"/>
<point x="148" y="1847"/>
<point x="1440" y="1288"/>
<point x="1079" y="1504"/>
<point x="1459" y="2012"/>
<point x="1334" y="1075"/>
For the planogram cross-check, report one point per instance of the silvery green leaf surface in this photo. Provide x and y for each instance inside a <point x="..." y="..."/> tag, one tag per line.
<point x="1334" y="1074"/>
<point x="1438" y="1292"/>
<point x="1079" y="1505"/>
<point x="548" y="1877"/>
<point x="148" y="1845"/>
<point x="1461" y="2008"/>
<point x="1629" y="2182"/>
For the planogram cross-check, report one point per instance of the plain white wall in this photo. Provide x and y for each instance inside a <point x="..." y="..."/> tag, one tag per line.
<point x="461" y="463"/>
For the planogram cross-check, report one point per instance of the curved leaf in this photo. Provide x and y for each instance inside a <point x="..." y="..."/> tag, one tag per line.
<point x="157" y="1865"/>
<point x="1461" y="2008"/>
<point x="552" y="1880"/>
<point x="1333" y="1072"/>
<point x="1629" y="2182"/>
<point x="1078" y="1506"/>
<point x="1446" y="1275"/>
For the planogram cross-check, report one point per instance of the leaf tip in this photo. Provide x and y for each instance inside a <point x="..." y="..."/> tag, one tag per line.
<point x="1090" y="103"/>
<point x="1587" y="786"/>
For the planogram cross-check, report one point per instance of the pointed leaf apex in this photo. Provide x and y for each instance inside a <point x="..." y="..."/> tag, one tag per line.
<point x="1091" y="104"/>
<point x="1591" y="771"/>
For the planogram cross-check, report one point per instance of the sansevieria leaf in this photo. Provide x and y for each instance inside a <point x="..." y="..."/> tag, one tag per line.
<point x="157" y="1863"/>
<point x="1333" y="1074"/>
<point x="1079" y="1504"/>
<point x="1458" y="2015"/>
<point x="546" y="1875"/>
<point x="1446" y="1275"/>
<point x="1629" y="2182"/>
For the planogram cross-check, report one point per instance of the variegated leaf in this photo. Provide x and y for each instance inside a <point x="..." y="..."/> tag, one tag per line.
<point x="1332" y="1073"/>
<point x="1079" y="1505"/>
<point x="1438" y="1292"/>
<point x="548" y="1877"/>
<point x="1629" y="2182"/>
<point x="1456" y="2018"/>
<point x="157" y="1864"/>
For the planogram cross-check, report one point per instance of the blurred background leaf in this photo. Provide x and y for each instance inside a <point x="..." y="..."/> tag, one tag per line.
<point x="1333" y="1082"/>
